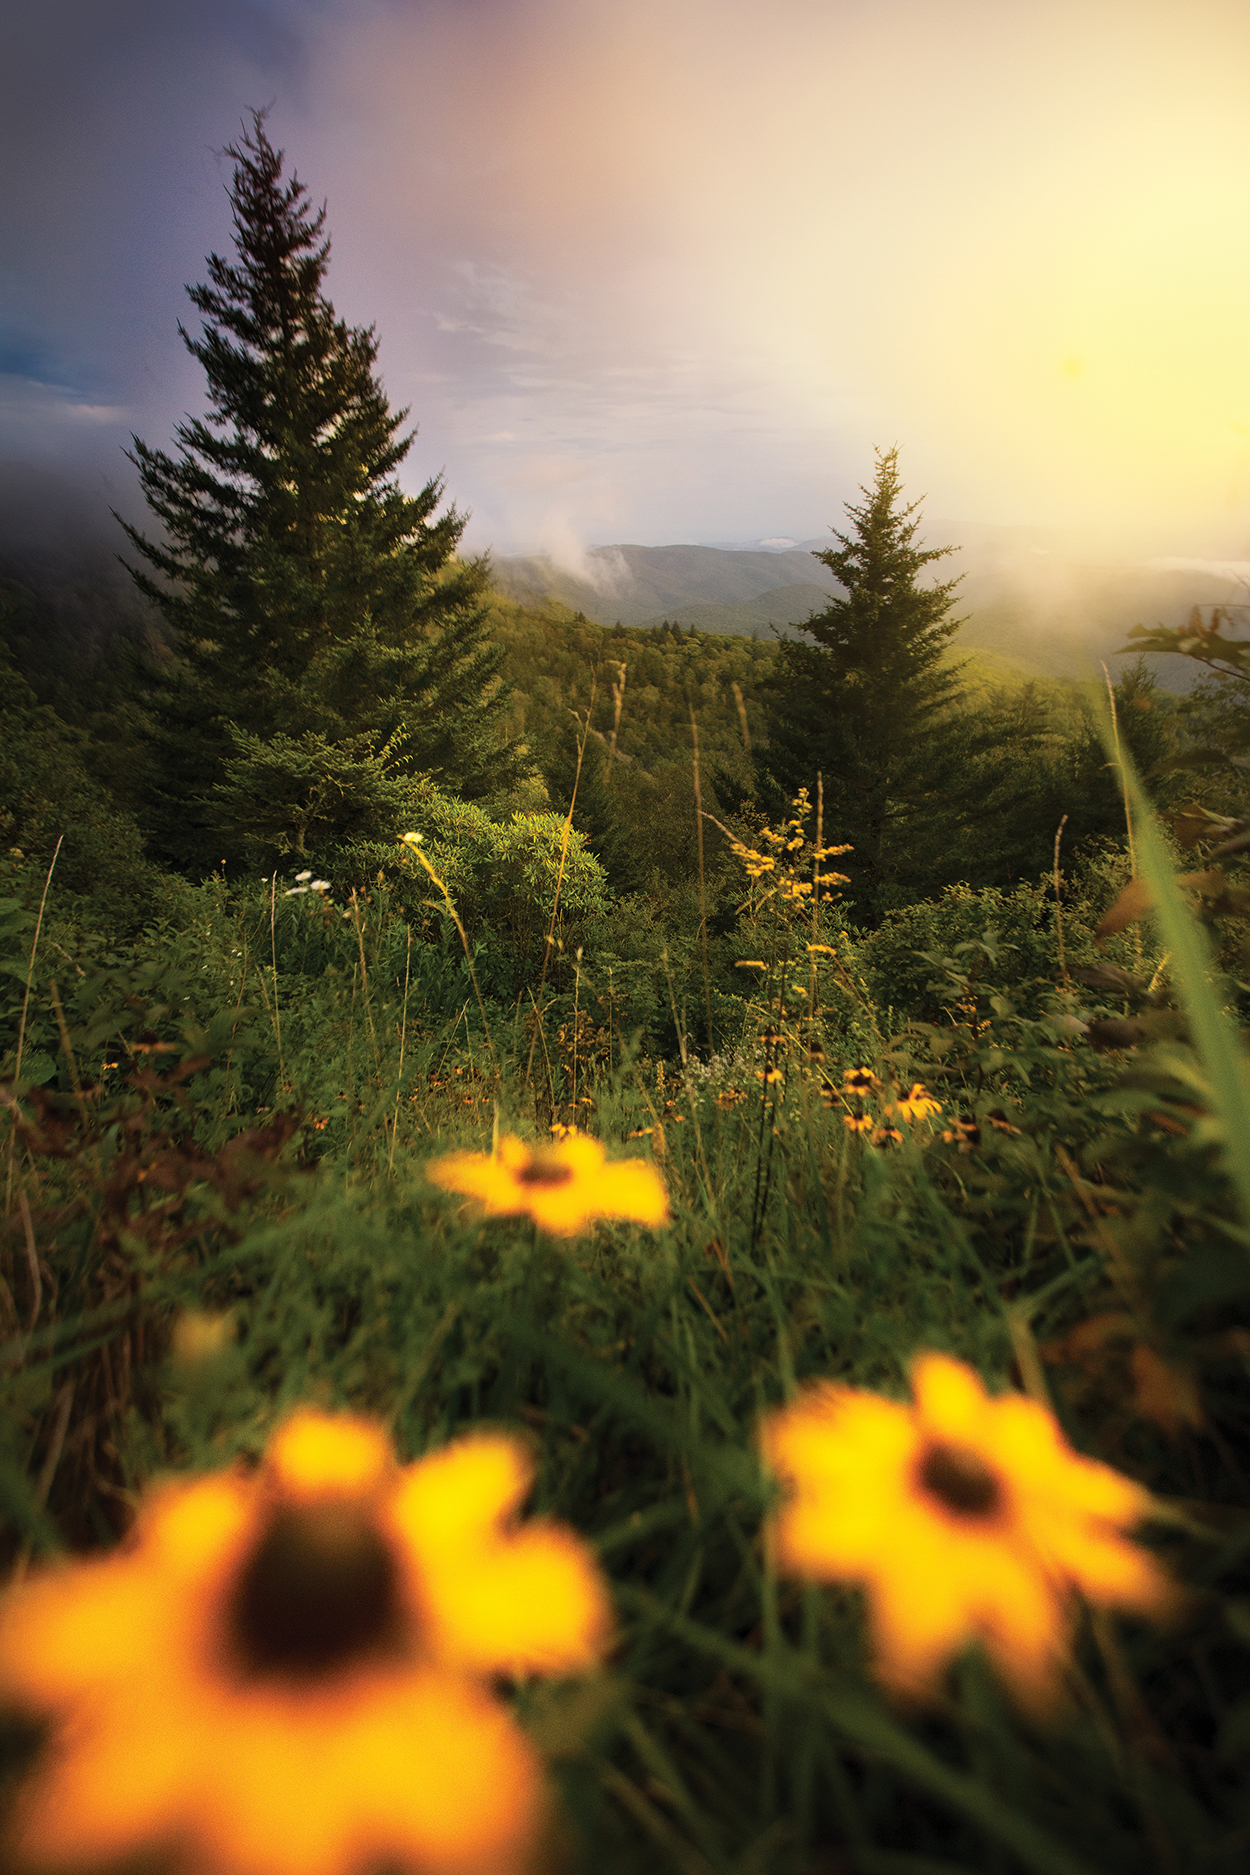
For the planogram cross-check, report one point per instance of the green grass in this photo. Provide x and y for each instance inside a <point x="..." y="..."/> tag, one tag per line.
<point x="281" y="1091"/>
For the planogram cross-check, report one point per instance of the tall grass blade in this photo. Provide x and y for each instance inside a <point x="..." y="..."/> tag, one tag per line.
<point x="1215" y="1035"/>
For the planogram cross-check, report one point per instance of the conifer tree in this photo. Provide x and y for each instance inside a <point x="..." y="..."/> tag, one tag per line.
<point x="870" y="705"/>
<point x="326" y="640"/>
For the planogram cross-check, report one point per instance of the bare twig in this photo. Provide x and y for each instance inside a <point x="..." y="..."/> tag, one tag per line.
<point x="698" y="821"/>
<point x="30" y="968"/>
<point x="21" y="1027"/>
<point x="1063" y="962"/>
<point x="32" y="1257"/>
<point x="555" y="903"/>
<point x="56" y="1445"/>
<point x="618" y="698"/>
<point x="273" y="951"/>
<point x="742" y="716"/>
<point x="403" y="1037"/>
<point x="412" y="845"/>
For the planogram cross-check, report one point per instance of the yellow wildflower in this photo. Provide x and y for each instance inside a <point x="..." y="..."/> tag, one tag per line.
<point x="563" y="1187"/>
<point x="917" y="1105"/>
<point x="964" y="1517"/>
<point x="287" y="1673"/>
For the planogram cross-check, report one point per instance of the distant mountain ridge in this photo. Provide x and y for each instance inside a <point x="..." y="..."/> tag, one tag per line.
<point x="1047" y="601"/>
<point x="643" y="585"/>
<point x="1041" y="599"/>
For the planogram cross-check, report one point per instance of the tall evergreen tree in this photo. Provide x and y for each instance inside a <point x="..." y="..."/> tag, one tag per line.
<point x="326" y="640"/>
<point x="871" y="706"/>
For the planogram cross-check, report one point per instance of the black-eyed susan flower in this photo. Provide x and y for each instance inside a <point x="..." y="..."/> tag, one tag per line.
<point x="964" y="1517"/>
<point x="919" y="1104"/>
<point x="563" y="1186"/>
<point x="287" y="1673"/>
<point x="860" y="1081"/>
<point x="858" y="1122"/>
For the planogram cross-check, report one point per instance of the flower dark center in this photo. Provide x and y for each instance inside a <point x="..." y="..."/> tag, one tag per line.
<point x="959" y="1479"/>
<point x="542" y="1171"/>
<point x="320" y="1589"/>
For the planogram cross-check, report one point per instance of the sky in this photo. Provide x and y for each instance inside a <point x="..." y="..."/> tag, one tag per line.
<point x="672" y="270"/>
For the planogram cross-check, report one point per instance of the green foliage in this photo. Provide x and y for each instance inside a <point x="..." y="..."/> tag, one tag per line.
<point x="903" y="961"/>
<point x="1215" y="717"/>
<point x="558" y="663"/>
<point x="1223" y="1079"/>
<point x="866" y="703"/>
<point x="51" y="806"/>
<point x="509" y="881"/>
<point x="312" y="606"/>
<point x="1206" y="641"/>
<point x="286" y="795"/>
<point x="1080" y="780"/>
<point x="1003" y="935"/>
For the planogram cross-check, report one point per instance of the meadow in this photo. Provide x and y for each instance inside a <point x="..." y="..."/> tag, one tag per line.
<point x="986" y="1130"/>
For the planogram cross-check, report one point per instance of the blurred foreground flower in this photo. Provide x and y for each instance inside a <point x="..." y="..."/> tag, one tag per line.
<point x="286" y="1673"/>
<point x="563" y="1186"/>
<point x="964" y="1517"/>
<point x="199" y="1337"/>
<point x="919" y="1104"/>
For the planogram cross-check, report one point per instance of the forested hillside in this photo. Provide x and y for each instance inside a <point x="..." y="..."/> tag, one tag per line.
<point x="1053" y="603"/>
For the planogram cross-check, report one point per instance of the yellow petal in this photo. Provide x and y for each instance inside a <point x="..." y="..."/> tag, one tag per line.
<point x="113" y="1780"/>
<point x="455" y="1498"/>
<point x="633" y="1189"/>
<point x="950" y="1400"/>
<point x="315" y="1454"/>
<point x="535" y="1603"/>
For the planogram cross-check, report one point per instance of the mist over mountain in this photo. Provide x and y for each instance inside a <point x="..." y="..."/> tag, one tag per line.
<point x="731" y="589"/>
<point x="1046" y="601"/>
<point x="1063" y="600"/>
<point x="1051" y="602"/>
<point x="59" y="541"/>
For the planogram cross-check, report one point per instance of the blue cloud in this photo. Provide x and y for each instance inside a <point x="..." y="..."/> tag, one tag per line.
<point x="23" y="357"/>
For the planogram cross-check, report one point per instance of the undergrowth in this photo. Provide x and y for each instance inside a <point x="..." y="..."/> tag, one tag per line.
<point x="216" y="1208"/>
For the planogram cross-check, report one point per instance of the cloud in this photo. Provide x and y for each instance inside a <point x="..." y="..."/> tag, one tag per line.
<point x="1237" y="571"/>
<point x="30" y="404"/>
<point x="735" y="319"/>
<point x="707" y="266"/>
<point x="109" y="120"/>
<point x="604" y="568"/>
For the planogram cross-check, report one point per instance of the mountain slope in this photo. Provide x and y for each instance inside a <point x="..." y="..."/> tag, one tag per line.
<point x="1045" y="602"/>
<point x="642" y="585"/>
